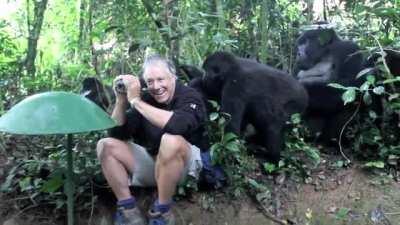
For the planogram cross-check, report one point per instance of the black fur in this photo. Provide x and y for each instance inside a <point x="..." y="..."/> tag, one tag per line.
<point x="323" y="58"/>
<point x="253" y="93"/>
<point x="102" y="95"/>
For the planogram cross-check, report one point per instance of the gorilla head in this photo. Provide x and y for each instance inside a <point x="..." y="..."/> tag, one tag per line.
<point x="219" y="67"/>
<point x="94" y="90"/>
<point x="313" y="45"/>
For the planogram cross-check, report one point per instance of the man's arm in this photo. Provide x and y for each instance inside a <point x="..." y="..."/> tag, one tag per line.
<point x="125" y="128"/>
<point x="118" y="113"/>
<point x="157" y="117"/>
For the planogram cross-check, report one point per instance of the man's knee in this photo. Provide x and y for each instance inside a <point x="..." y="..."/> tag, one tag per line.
<point x="172" y="146"/>
<point x="106" y="147"/>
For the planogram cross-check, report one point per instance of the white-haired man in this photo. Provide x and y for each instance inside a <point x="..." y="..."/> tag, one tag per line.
<point x="166" y="123"/>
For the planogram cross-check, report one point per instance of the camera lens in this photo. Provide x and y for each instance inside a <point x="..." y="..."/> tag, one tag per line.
<point x="120" y="86"/>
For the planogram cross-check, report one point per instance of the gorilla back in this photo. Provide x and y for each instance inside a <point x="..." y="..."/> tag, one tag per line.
<point x="253" y="93"/>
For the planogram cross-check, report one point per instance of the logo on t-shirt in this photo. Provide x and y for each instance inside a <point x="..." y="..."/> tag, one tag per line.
<point x="193" y="106"/>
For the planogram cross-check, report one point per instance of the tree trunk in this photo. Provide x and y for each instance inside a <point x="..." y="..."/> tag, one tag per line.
<point x="247" y="14"/>
<point x="82" y="31"/>
<point x="310" y="6"/>
<point x="89" y="28"/>
<point x="264" y="31"/>
<point x="34" y="29"/>
<point x="219" y="11"/>
<point x="158" y="23"/>
<point x="171" y="14"/>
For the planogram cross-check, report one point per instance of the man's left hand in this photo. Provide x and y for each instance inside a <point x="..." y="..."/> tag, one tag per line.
<point x="133" y="87"/>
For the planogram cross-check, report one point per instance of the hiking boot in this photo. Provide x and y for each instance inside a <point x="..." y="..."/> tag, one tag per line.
<point x="158" y="218"/>
<point x="129" y="217"/>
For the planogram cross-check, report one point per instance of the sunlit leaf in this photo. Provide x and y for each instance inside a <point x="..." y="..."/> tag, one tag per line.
<point x="379" y="90"/>
<point x="375" y="164"/>
<point x="213" y="116"/>
<point x="364" y="71"/>
<point x="269" y="167"/>
<point x="338" y="86"/>
<point x="349" y="96"/>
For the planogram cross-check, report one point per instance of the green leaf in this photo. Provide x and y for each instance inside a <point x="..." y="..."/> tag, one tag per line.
<point x="364" y="86"/>
<point x="281" y="163"/>
<point x="379" y="90"/>
<point x="364" y="71"/>
<point x="269" y="167"/>
<point x="228" y="137"/>
<point x="372" y="114"/>
<point x="53" y="184"/>
<point x="25" y="184"/>
<point x="342" y="213"/>
<point x="214" y="104"/>
<point x="232" y="146"/>
<point x="221" y="121"/>
<point x="349" y="96"/>
<point x="367" y="98"/>
<point x="394" y="96"/>
<point x="339" y="164"/>
<point x="371" y="79"/>
<point x="397" y="79"/>
<point x="338" y="86"/>
<point x="295" y="118"/>
<point x="375" y="164"/>
<point x="213" y="116"/>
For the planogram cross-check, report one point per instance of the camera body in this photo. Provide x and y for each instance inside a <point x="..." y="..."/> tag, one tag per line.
<point x="121" y="88"/>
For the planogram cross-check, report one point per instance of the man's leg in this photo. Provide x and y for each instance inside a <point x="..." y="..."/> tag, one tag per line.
<point x="116" y="160"/>
<point x="173" y="154"/>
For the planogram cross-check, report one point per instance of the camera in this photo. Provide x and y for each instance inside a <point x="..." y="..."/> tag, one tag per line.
<point x="120" y="86"/>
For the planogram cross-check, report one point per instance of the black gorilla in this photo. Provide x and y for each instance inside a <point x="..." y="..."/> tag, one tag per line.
<point x="323" y="58"/>
<point x="253" y="93"/>
<point x="102" y="95"/>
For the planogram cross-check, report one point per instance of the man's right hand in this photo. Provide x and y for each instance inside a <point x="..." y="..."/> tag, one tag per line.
<point x="120" y="96"/>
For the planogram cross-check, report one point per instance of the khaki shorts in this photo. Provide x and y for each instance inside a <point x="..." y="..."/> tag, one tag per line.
<point x="144" y="175"/>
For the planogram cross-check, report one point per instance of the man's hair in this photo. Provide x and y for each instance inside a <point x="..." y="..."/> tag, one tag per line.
<point x="154" y="59"/>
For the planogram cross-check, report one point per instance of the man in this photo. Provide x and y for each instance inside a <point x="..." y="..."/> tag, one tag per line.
<point x="166" y="123"/>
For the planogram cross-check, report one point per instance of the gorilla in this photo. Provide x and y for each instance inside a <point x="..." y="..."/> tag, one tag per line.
<point x="252" y="93"/>
<point x="323" y="58"/>
<point x="102" y="95"/>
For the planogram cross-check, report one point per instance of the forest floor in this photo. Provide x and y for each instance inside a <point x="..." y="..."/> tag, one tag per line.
<point x="331" y="196"/>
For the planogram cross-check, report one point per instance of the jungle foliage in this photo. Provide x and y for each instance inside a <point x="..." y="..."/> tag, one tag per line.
<point x="53" y="45"/>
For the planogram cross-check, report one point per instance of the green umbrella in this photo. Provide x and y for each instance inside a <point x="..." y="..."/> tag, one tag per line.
<point x="56" y="113"/>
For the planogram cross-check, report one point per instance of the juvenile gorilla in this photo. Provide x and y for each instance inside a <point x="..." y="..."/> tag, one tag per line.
<point x="253" y="93"/>
<point x="323" y="58"/>
<point x="102" y="95"/>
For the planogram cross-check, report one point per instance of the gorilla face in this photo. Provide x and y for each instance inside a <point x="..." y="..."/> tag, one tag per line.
<point x="312" y="46"/>
<point x="217" y="67"/>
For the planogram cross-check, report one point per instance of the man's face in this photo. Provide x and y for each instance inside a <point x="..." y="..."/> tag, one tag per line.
<point x="160" y="83"/>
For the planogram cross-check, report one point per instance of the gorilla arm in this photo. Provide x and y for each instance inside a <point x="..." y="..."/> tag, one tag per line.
<point x="232" y="104"/>
<point x="320" y="73"/>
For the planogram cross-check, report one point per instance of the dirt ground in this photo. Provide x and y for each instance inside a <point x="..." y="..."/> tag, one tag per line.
<point x="340" y="196"/>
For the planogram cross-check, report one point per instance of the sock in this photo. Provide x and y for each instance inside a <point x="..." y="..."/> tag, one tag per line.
<point x="129" y="203"/>
<point x="162" y="208"/>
